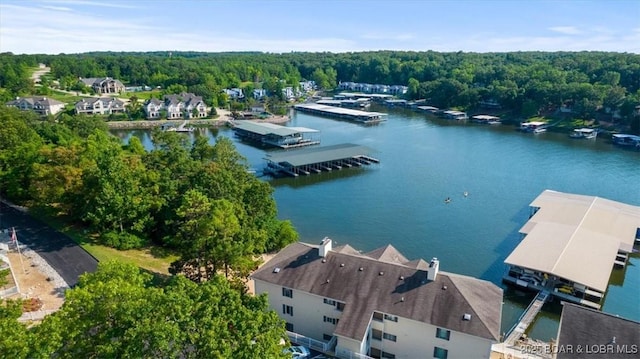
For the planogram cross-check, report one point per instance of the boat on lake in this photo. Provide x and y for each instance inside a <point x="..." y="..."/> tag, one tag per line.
<point x="181" y="128"/>
<point x="626" y="140"/>
<point x="584" y="133"/>
<point x="533" y="127"/>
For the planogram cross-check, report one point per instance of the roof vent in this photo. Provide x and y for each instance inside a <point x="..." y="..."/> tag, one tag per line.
<point x="324" y="260"/>
<point x="444" y="287"/>
<point x="381" y="273"/>
<point x="276" y="270"/>
<point x="402" y="299"/>
<point x="466" y="316"/>
<point x="341" y="264"/>
<point x="327" y="281"/>
<point x="401" y="277"/>
<point x="360" y="269"/>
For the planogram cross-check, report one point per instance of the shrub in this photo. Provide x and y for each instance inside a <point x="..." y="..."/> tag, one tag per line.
<point x="122" y="241"/>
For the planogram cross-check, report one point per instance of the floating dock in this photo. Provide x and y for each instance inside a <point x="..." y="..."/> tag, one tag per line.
<point x="274" y="135"/>
<point x="317" y="160"/>
<point x="364" y="117"/>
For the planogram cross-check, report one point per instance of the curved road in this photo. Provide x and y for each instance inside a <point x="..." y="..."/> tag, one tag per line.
<point x="63" y="254"/>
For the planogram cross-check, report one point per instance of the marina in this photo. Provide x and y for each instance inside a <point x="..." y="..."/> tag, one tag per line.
<point x="274" y="135"/>
<point x="364" y="117"/>
<point x="401" y="200"/>
<point x="317" y="160"/>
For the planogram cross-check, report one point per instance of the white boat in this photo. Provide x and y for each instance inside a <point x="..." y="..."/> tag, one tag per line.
<point x="533" y="127"/>
<point x="586" y="133"/>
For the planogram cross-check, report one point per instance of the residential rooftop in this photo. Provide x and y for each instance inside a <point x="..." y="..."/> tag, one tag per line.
<point x="384" y="281"/>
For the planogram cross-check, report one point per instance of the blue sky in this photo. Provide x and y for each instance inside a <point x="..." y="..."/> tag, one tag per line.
<point x="72" y="26"/>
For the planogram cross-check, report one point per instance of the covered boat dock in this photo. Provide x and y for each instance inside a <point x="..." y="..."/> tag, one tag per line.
<point x="319" y="159"/>
<point x="274" y="135"/>
<point x="344" y="113"/>
<point x="571" y="244"/>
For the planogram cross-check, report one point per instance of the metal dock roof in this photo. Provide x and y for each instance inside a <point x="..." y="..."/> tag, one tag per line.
<point x="576" y="237"/>
<point x="339" y="110"/>
<point x="265" y="128"/>
<point x="309" y="156"/>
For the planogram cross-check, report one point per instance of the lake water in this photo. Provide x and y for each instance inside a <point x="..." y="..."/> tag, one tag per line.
<point x="425" y="160"/>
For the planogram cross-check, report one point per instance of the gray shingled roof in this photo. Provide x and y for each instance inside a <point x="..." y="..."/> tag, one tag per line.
<point x="307" y="156"/>
<point x="583" y="326"/>
<point x="366" y="291"/>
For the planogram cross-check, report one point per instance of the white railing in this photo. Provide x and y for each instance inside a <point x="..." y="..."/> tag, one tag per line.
<point x="307" y="342"/>
<point x="347" y="354"/>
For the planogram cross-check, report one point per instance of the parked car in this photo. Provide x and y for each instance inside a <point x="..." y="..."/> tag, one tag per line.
<point x="298" y="352"/>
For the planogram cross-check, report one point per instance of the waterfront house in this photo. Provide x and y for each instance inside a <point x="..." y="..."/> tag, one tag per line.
<point x="234" y="93"/>
<point x="41" y="105"/>
<point x="184" y="105"/>
<point x="586" y="333"/>
<point x="379" y="304"/>
<point x="103" y="85"/>
<point x="99" y="106"/>
<point x="571" y="244"/>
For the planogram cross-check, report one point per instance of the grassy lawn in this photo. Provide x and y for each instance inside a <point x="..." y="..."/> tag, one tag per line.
<point x="65" y="97"/>
<point x="154" y="259"/>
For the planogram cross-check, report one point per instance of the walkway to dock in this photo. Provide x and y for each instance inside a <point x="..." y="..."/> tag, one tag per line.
<point x="526" y="318"/>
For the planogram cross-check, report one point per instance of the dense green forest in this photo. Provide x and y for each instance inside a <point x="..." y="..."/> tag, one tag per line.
<point x="525" y="83"/>
<point x="196" y="198"/>
<point x="118" y="312"/>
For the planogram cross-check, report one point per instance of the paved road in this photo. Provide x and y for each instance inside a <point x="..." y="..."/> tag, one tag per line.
<point x="60" y="251"/>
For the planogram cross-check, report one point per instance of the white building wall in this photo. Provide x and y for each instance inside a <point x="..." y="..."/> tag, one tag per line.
<point x="308" y="310"/>
<point x="414" y="339"/>
<point x="417" y="340"/>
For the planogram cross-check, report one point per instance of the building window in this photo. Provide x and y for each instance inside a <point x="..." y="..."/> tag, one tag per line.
<point x="387" y="355"/>
<point x="340" y="306"/>
<point x="333" y="321"/>
<point x="327" y="337"/>
<point x="440" y="353"/>
<point x="288" y="326"/>
<point x="329" y="301"/>
<point x="286" y="292"/>
<point x="392" y="318"/>
<point x="388" y="336"/>
<point x="377" y="316"/>
<point x="443" y="333"/>
<point x="287" y="309"/>
<point x="376" y="334"/>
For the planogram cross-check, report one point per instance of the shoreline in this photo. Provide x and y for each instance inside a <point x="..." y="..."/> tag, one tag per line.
<point x="224" y="119"/>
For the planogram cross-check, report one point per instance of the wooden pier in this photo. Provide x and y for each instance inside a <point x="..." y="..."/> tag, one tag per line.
<point x="516" y="332"/>
<point x="364" y="117"/>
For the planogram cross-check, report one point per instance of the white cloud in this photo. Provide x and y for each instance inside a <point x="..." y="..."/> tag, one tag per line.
<point x="112" y="4"/>
<point x="56" y="8"/>
<point x="567" y="30"/>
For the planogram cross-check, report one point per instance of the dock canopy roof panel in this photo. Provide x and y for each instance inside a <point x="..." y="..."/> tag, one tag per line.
<point x="265" y="128"/>
<point x="319" y="154"/>
<point x="576" y="237"/>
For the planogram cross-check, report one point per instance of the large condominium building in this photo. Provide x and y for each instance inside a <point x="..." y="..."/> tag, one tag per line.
<point x="380" y="304"/>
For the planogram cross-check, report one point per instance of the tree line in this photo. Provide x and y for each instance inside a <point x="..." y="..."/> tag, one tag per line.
<point x="526" y="83"/>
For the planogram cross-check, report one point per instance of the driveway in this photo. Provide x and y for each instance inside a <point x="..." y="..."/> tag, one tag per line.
<point x="61" y="252"/>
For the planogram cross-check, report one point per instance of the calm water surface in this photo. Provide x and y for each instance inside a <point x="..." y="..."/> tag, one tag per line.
<point x="423" y="161"/>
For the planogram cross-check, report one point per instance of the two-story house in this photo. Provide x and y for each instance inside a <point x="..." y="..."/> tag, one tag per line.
<point x="184" y="105"/>
<point x="103" y="85"/>
<point x="380" y="304"/>
<point x="99" y="106"/>
<point x="43" y="106"/>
